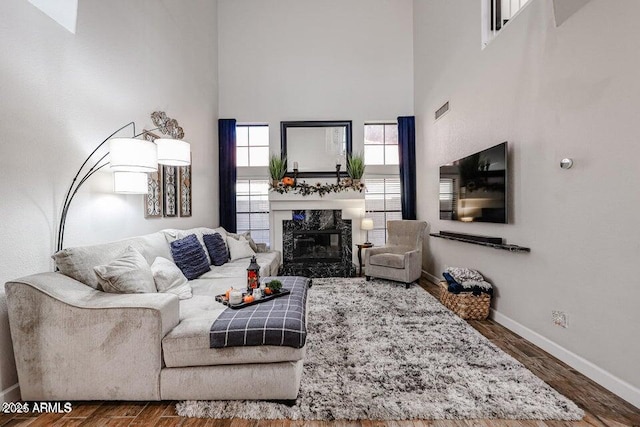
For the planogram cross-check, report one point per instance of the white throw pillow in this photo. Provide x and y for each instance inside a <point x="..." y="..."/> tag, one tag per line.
<point x="247" y="237"/>
<point x="128" y="274"/>
<point x="239" y="248"/>
<point x="169" y="279"/>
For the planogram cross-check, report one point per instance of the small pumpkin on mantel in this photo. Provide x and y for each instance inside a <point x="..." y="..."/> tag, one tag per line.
<point x="288" y="181"/>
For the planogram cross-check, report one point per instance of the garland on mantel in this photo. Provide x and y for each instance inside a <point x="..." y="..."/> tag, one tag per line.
<point x="318" y="188"/>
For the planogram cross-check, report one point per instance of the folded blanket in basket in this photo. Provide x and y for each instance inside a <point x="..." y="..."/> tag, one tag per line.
<point x="466" y="280"/>
<point x="280" y="321"/>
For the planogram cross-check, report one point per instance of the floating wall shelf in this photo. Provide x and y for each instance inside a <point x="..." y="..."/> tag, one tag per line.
<point x="510" y="248"/>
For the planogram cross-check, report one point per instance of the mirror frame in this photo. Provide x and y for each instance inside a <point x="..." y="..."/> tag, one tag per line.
<point x="316" y="124"/>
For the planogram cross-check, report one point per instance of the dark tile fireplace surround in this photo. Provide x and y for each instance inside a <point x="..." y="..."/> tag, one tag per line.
<point x="317" y="243"/>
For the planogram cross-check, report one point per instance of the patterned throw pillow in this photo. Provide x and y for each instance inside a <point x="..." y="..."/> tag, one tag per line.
<point x="217" y="248"/>
<point x="190" y="257"/>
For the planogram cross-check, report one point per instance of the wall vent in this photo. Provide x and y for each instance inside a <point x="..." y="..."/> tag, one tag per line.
<point x="442" y="110"/>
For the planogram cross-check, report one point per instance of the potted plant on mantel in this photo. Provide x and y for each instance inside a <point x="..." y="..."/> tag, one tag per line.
<point x="277" y="168"/>
<point x="355" y="167"/>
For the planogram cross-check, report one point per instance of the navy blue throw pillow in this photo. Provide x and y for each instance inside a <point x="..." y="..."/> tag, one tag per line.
<point x="190" y="257"/>
<point x="217" y="248"/>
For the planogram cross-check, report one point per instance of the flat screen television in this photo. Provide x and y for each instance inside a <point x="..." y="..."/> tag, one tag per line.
<point x="474" y="188"/>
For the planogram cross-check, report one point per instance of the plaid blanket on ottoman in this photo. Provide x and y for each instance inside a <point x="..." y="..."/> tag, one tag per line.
<point x="280" y="321"/>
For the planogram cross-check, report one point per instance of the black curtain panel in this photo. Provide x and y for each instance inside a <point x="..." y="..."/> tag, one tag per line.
<point x="407" y="148"/>
<point x="227" y="172"/>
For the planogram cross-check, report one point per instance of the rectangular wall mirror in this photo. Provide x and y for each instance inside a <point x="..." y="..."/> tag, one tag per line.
<point x="316" y="146"/>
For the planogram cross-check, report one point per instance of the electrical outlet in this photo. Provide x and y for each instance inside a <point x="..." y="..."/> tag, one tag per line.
<point x="559" y="318"/>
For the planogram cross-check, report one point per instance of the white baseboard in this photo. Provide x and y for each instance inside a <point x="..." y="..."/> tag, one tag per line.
<point x="607" y="380"/>
<point x="12" y="394"/>
<point x="430" y="277"/>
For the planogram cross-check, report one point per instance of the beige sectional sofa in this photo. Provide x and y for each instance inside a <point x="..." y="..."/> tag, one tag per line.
<point x="74" y="342"/>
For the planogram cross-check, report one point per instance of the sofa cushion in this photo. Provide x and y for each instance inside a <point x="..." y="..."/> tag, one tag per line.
<point x="239" y="249"/>
<point x="78" y="262"/>
<point x="387" y="260"/>
<point x="188" y="343"/>
<point x="128" y="274"/>
<point x="269" y="263"/>
<point x="217" y="248"/>
<point x="248" y="238"/>
<point x="169" y="279"/>
<point x="190" y="257"/>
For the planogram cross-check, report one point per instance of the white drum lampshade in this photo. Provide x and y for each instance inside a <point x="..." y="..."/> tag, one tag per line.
<point x="130" y="182"/>
<point x="132" y="155"/>
<point x="173" y="152"/>
<point x="367" y="224"/>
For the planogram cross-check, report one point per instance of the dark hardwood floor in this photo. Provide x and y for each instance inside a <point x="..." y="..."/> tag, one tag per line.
<point x="602" y="407"/>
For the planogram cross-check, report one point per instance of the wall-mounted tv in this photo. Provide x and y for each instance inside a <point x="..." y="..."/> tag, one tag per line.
<point x="474" y="188"/>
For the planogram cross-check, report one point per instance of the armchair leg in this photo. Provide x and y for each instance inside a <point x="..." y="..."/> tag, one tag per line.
<point x="407" y="285"/>
<point x="367" y="278"/>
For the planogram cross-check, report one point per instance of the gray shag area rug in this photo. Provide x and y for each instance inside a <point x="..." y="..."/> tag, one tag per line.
<point x="378" y="351"/>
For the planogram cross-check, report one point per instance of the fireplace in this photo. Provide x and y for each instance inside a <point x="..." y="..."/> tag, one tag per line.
<point x="317" y="243"/>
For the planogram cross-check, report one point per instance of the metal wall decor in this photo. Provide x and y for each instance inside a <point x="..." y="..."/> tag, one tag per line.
<point x="167" y="125"/>
<point x="170" y="190"/>
<point x="153" y="199"/>
<point x="185" y="190"/>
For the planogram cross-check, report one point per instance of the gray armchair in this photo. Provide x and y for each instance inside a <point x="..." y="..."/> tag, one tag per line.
<point x="401" y="258"/>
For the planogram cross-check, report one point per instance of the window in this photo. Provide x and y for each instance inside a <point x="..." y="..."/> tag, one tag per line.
<point x="252" y="145"/>
<point x="252" y="185"/>
<point x="382" y="203"/>
<point x="496" y="14"/>
<point x="252" y="208"/>
<point x="382" y="198"/>
<point x="381" y="144"/>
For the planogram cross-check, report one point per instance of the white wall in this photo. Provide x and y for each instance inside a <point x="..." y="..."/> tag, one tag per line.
<point x="571" y="91"/>
<point x="64" y="93"/>
<point x="315" y="60"/>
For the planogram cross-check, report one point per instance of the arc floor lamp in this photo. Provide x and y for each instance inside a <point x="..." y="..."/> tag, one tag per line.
<point x="130" y="159"/>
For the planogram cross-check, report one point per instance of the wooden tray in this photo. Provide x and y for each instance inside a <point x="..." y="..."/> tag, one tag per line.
<point x="222" y="299"/>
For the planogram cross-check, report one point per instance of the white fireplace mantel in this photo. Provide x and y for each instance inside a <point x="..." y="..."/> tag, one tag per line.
<point x="281" y="207"/>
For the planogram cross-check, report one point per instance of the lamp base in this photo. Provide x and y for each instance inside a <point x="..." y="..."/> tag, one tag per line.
<point x="367" y="242"/>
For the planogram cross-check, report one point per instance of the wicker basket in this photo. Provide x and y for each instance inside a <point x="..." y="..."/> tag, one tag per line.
<point x="465" y="305"/>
